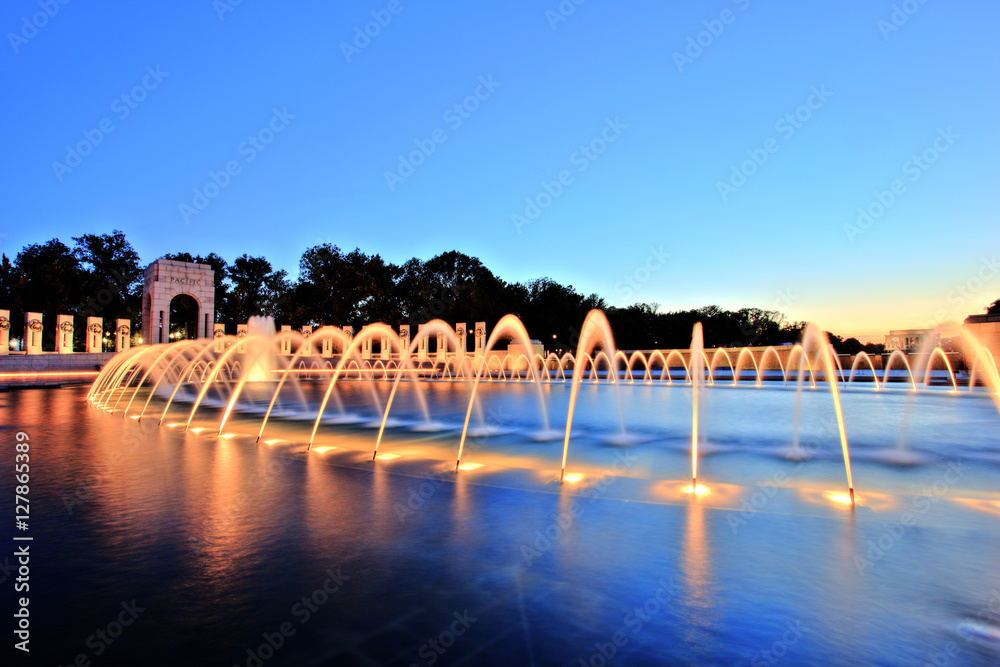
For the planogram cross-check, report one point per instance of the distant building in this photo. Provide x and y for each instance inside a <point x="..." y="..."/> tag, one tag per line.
<point x="987" y="329"/>
<point x="907" y="340"/>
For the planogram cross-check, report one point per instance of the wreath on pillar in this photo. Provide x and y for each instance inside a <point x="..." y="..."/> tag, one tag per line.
<point x="242" y="333"/>
<point x="460" y="331"/>
<point x="124" y="330"/>
<point x="96" y="328"/>
<point x="404" y="333"/>
<point x="35" y="325"/>
<point x="66" y="327"/>
<point x="219" y="333"/>
<point x="4" y="324"/>
<point x="480" y="331"/>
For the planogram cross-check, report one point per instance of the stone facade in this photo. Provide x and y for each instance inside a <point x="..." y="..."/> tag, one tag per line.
<point x="987" y="329"/>
<point x="166" y="279"/>
<point x="907" y="340"/>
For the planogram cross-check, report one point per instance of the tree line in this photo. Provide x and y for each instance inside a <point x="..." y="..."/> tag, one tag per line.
<point x="101" y="275"/>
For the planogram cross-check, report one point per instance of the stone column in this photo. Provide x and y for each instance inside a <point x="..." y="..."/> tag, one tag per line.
<point x="4" y="332"/>
<point x="422" y="345"/>
<point x="64" y="334"/>
<point x="385" y="350"/>
<point x="461" y="334"/>
<point x="366" y="348"/>
<point x="220" y="338"/>
<point x="307" y="346"/>
<point x="441" y="353"/>
<point x="123" y="335"/>
<point x="404" y="341"/>
<point x="326" y="347"/>
<point x="95" y="334"/>
<point x="241" y="334"/>
<point x="285" y="349"/>
<point x="32" y="333"/>
<point x="480" y="338"/>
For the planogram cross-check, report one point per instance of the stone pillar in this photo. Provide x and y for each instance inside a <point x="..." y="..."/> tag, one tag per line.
<point x="123" y="335"/>
<point x="307" y="346"/>
<point x="241" y="334"/>
<point x="220" y="338"/>
<point x="404" y="341"/>
<point x="385" y="350"/>
<point x="326" y="347"/>
<point x="95" y="334"/>
<point x="4" y="332"/>
<point x="442" y="348"/>
<point x="366" y="348"/>
<point x="422" y="345"/>
<point x="285" y="349"/>
<point x="461" y="334"/>
<point x="480" y="338"/>
<point x="64" y="334"/>
<point x="32" y="333"/>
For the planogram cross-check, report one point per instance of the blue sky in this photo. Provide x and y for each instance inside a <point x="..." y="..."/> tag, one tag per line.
<point x="643" y="109"/>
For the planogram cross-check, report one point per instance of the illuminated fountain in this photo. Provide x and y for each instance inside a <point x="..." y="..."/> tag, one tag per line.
<point x="266" y="374"/>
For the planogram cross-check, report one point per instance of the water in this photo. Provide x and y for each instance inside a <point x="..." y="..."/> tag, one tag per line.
<point x="217" y="540"/>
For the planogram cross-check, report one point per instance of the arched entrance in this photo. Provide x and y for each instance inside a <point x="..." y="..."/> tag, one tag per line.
<point x="178" y="298"/>
<point x="184" y="310"/>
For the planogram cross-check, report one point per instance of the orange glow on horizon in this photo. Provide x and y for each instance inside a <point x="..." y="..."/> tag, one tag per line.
<point x="698" y="490"/>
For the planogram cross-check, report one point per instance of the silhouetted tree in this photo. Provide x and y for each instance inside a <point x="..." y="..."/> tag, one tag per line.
<point x="48" y="279"/>
<point x="255" y="288"/>
<point x="112" y="285"/>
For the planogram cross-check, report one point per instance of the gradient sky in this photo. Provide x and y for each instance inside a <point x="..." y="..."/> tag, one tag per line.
<point x="787" y="238"/>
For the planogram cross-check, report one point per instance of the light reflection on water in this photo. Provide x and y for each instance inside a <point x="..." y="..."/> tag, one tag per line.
<point x="219" y="540"/>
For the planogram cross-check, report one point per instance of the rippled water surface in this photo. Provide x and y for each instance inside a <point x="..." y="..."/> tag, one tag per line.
<point x="230" y="553"/>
